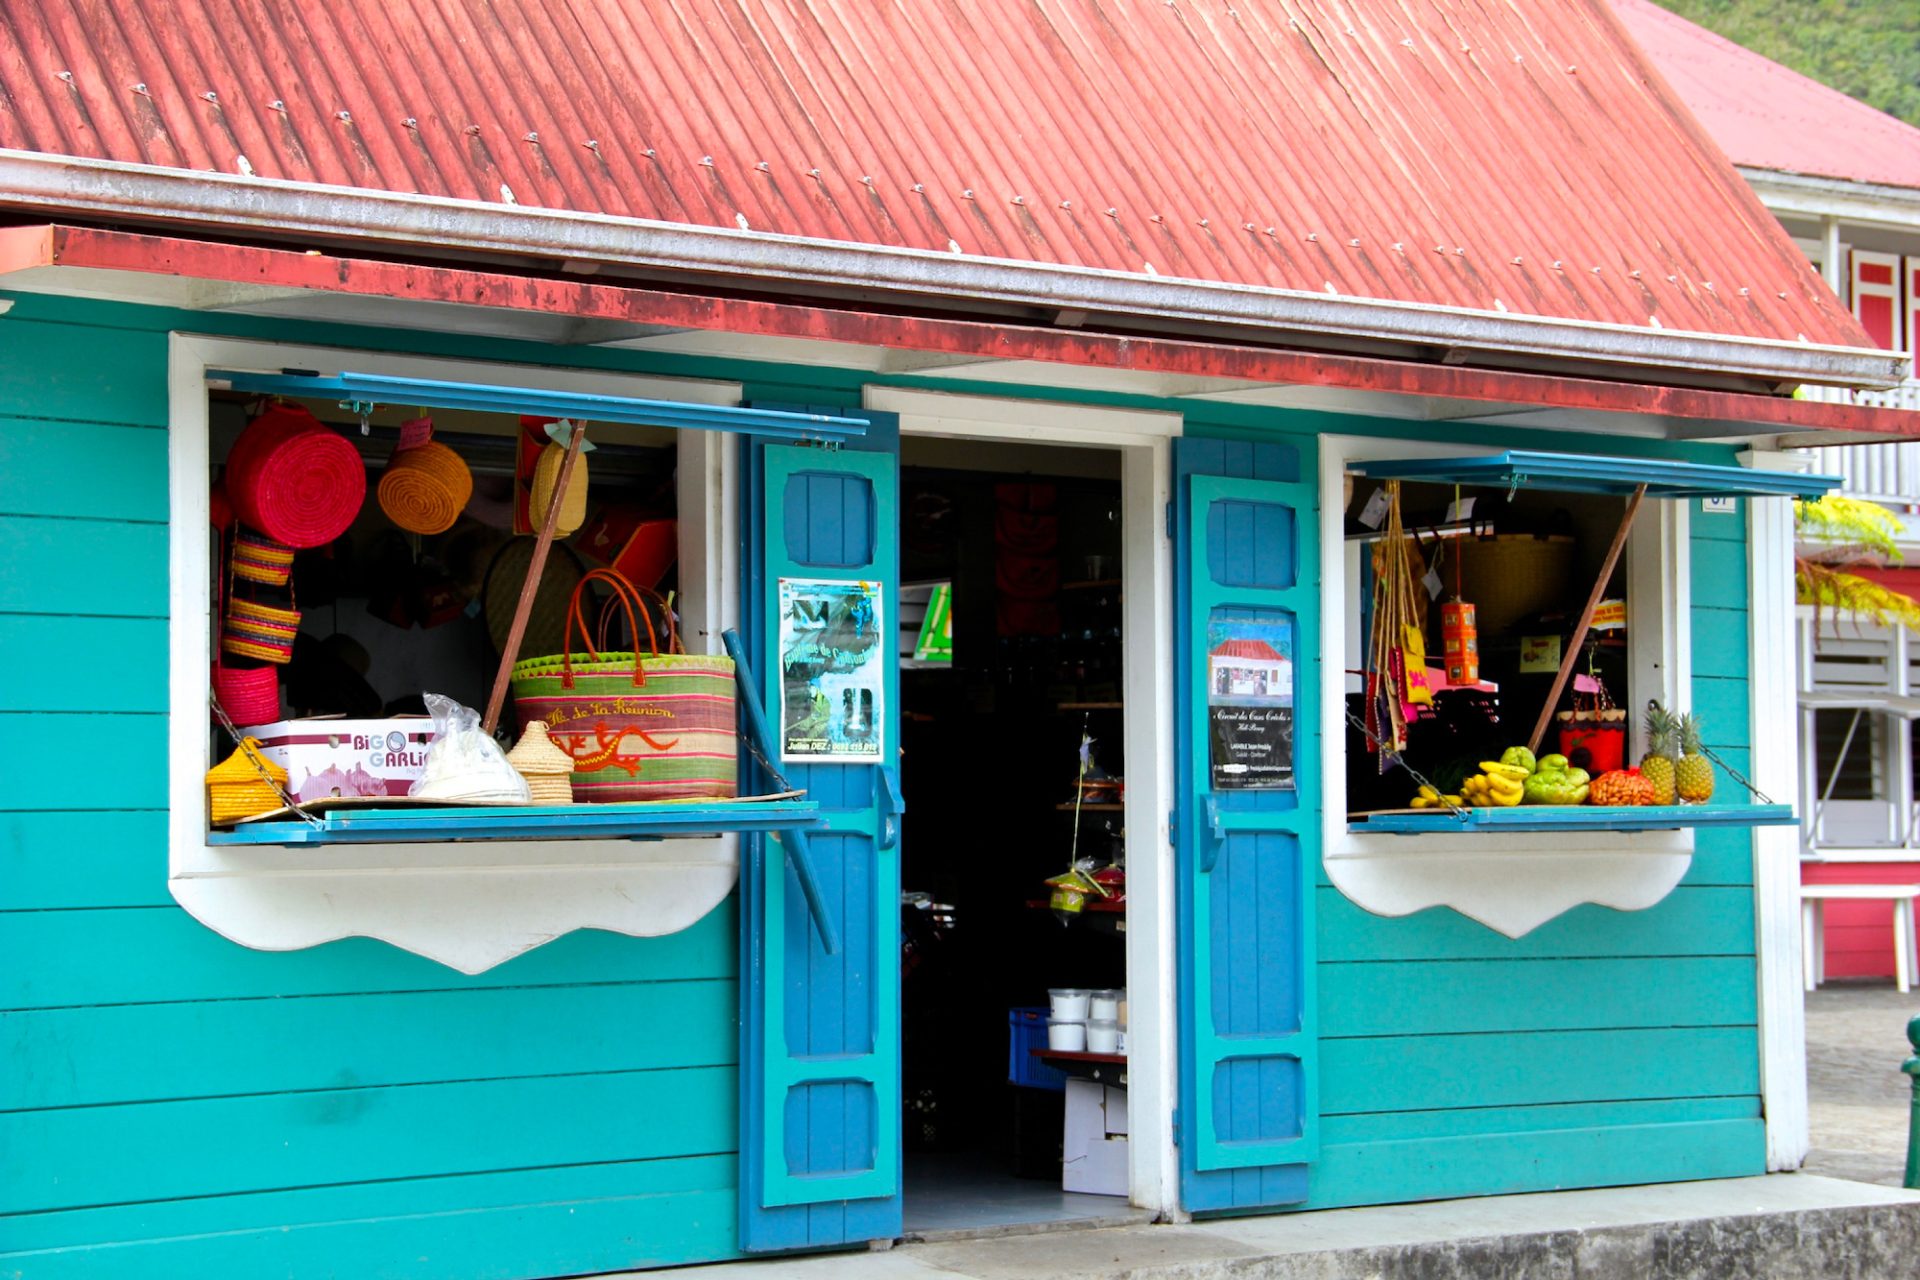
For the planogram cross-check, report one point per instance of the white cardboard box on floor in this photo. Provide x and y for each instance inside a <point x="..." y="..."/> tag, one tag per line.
<point x="1094" y="1144"/>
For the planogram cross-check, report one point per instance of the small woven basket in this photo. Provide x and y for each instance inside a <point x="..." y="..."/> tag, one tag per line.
<point x="425" y="489"/>
<point x="243" y="784"/>
<point x="249" y="695"/>
<point x="546" y="475"/>
<point x="261" y="631"/>
<point x="258" y="558"/>
<point x="295" y="480"/>
<point x="547" y="769"/>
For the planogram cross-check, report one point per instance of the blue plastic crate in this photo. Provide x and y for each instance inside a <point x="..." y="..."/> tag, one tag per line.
<point x="1028" y="1031"/>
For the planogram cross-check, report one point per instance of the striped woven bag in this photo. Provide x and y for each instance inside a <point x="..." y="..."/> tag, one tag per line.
<point x="652" y="723"/>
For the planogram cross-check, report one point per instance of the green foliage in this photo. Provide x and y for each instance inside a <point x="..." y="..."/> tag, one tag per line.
<point x="1862" y="528"/>
<point x="1867" y="49"/>
<point x="1832" y="590"/>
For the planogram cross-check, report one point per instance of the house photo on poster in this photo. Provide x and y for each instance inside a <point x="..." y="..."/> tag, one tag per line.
<point x="832" y="670"/>
<point x="1250" y="702"/>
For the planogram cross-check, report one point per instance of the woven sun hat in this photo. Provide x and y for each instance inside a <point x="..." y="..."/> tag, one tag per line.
<point x="425" y="488"/>
<point x="546" y="475"/>
<point x="295" y="480"/>
<point x="547" y="769"/>
<point x="258" y="558"/>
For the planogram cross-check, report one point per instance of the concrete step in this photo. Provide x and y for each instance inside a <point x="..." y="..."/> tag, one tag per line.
<point x="1781" y="1227"/>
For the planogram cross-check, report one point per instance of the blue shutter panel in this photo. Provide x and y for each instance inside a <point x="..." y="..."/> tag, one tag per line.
<point x="1246" y="539"/>
<point x="820" y="1034"/>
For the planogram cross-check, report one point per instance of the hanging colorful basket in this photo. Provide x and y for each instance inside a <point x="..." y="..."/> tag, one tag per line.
<point x="261" y="631"/>
<point x="425" y="489"/>
<point x="249" y="695"/>
<point x="258" y="558"/>
<point x="295" y="480"/>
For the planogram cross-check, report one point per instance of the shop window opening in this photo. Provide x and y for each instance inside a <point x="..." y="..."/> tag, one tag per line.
<point x="1013" y="912"/>
<point x="326" y="653"/>
<point x="1503" y="670"/>
<point x="1498" y="582"/>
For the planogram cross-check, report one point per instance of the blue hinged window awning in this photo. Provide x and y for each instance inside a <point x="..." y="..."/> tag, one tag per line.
<point x="368" y="388"/>
<point x="1596" y="473"/>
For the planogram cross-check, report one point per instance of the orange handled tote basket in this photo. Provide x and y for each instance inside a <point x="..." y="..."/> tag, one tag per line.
<point x="652" y="723"/>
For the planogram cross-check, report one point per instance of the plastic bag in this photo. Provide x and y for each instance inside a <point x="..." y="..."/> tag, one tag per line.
<point x="463" y="763"/>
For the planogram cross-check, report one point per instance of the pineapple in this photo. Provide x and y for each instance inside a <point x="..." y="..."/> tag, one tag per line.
<point x="1694" y="774"/>
<point x="1657" y="766"/>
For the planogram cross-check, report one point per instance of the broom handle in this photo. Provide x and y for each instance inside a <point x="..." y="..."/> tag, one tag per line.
<point x="1586" y="619"/>
<point x="510" y="651"/>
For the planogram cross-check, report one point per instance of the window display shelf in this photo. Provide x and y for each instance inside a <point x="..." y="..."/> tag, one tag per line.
<point x="1549" y="818"/>
<point x="659" y="821"/>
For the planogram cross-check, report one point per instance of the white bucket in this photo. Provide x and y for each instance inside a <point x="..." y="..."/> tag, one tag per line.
<point x="1068" y="1037"/>
<point x="1069" y="1003"/>
<point x="1105" y="1004"/>
<point x="1103" y="1036"/>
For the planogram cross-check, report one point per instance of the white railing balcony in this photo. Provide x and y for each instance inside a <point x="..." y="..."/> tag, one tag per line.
<point x="1888" y="473"/>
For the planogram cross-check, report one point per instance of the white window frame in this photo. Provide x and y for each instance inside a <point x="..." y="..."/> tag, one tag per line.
<point x="470" y="905"/>
<point x="1511" y="882"/>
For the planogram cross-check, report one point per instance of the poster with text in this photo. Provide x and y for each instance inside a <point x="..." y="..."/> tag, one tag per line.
<point x="1250" y="702"/>
<point x="832" y="671"/>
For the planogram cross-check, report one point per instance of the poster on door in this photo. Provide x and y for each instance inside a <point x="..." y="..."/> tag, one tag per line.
<point x="1250" y="702"/>
<point x="832" y="671"/>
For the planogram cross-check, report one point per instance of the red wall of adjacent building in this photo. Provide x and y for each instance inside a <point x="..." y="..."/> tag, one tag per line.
<point x="1860" y="934"/>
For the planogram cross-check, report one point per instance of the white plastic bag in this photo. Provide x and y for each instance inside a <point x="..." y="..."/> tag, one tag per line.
<point x="463" y="763"/>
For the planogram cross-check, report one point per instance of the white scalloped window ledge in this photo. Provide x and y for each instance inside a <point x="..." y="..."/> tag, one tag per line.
<point x="1510" y="884"/>
<point x="440" y="902"/>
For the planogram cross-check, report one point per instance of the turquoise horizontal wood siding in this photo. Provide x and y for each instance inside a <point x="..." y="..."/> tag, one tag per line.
<point x="1603" y="1047"/>
<point x="172" y="1104"/>
<point x="373" y="1114"/>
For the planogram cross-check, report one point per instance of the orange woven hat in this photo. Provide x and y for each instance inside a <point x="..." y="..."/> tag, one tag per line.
<point x="426" y="488"/>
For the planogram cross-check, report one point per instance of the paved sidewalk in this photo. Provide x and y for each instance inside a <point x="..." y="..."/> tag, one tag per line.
<point x="1857" y="1096"/>
<point x="1785" y="1227"/>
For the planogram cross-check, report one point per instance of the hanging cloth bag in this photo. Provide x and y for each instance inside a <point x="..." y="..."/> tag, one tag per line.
<point x="650" y="723"/>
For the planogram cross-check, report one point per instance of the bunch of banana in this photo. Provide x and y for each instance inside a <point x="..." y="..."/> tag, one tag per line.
<point x="1498" y="785"/>
<point x="1429" y="798"/>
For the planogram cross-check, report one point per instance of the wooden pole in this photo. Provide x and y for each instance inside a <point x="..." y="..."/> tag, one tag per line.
<point x="510" y="651"/>
<point x="1572" y="654"/>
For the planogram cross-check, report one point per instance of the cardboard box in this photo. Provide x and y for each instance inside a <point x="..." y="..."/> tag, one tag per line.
<point x="1094" y="1145"/>
<point x="326" y="757"/>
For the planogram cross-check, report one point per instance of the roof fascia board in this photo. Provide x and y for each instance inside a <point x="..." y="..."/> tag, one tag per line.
<point x="1859" y="203"/>
<point x="26" y="252"/>
<point x="73" y="185"/>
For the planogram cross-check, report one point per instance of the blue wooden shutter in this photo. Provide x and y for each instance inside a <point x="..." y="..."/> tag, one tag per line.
<point x="820" y="1034"/>
<point x="1246" y="538"/>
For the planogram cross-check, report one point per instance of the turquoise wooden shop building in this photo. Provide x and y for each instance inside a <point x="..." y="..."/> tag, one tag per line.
<point x="1206" y="277"/>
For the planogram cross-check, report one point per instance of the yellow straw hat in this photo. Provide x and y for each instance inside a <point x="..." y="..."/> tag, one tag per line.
<point x="426" y="488"/>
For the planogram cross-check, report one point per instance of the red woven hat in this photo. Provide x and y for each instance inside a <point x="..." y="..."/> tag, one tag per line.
<point x="293" y="479"/>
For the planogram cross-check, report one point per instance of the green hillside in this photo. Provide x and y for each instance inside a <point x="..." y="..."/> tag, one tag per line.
<point x="1868" y="49"/>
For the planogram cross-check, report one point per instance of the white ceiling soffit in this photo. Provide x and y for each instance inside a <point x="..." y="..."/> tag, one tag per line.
<point x="66" y="185"/>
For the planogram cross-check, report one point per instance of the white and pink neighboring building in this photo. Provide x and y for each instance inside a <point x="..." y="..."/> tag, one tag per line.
<point x="1844" y="179"/>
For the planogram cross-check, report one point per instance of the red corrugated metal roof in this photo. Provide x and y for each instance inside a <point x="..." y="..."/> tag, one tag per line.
<point x="1480" y="154"/>
<point x="1767" y="117"/>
